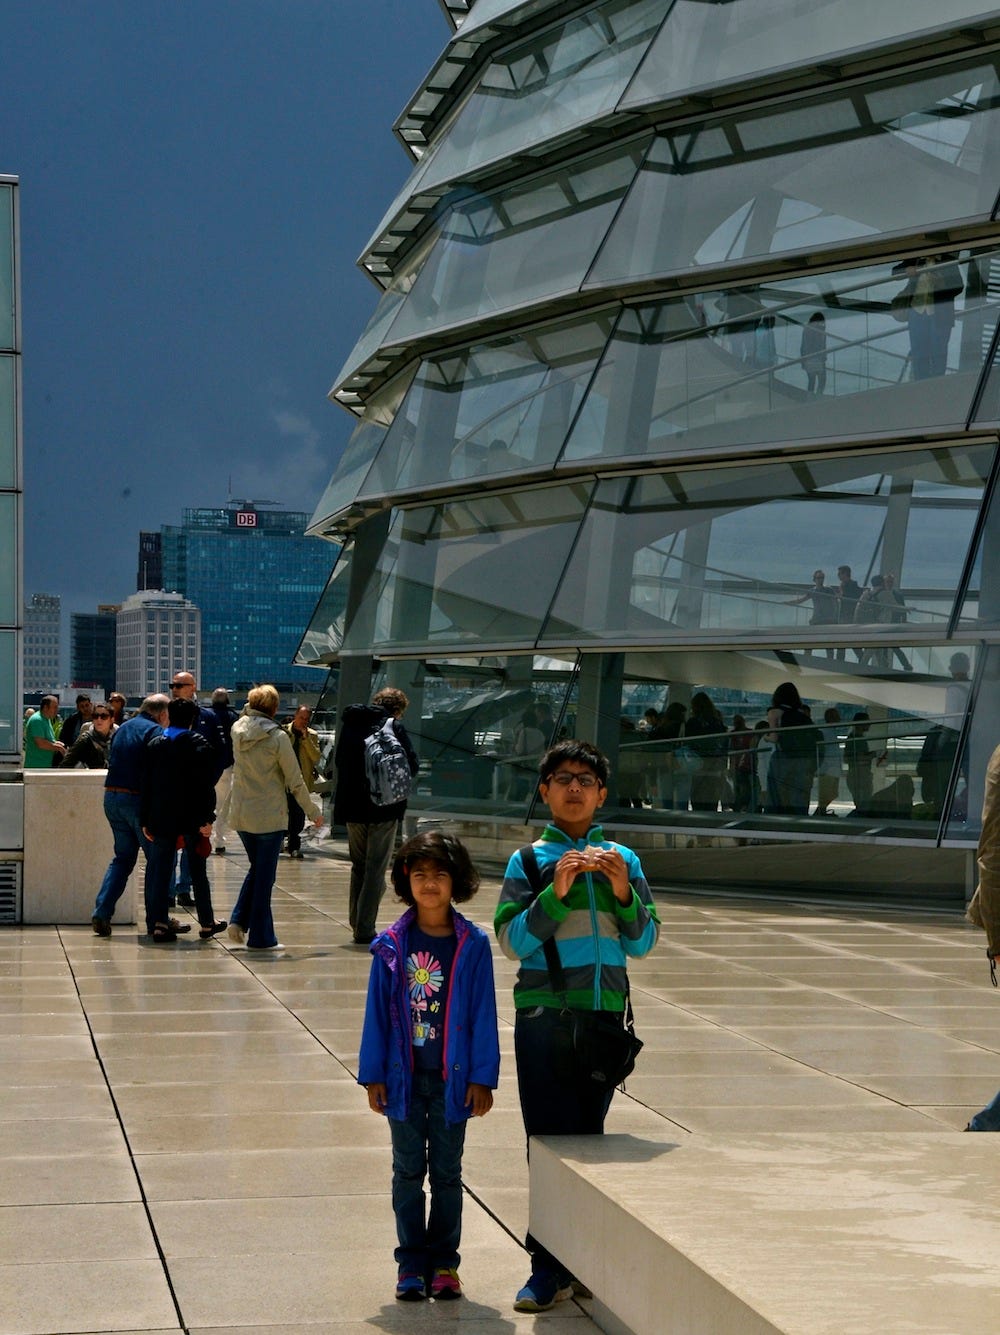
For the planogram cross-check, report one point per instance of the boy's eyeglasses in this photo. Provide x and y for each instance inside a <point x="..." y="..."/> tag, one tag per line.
<point x="102" y="716"/>
<point x="564" y="779"/>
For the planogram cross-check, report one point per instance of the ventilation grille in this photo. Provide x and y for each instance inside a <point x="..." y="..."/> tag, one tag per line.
<point x="10" y="892"/>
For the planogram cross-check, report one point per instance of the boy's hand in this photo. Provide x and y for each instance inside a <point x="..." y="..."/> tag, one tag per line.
<point x="378" y="1097"/>
<point x="479" y="1098"/>
<point x="606" y="862"/>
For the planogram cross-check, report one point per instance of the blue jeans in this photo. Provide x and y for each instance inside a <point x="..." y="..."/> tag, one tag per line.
<point x="425" y="1145"/>
<point x="122" y="811"/>
<point x="252" y="910"/>
<point x="989" y="1118"/>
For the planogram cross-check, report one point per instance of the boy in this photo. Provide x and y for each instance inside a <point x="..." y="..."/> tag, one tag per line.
<point x="596" y="906"/>
<point x="430" y="1056"/>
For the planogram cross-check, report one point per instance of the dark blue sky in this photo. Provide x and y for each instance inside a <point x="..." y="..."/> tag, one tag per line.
<point x="197" y="179"/>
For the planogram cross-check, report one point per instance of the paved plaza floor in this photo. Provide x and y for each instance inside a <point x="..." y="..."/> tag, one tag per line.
<point x="185" y="1146"/>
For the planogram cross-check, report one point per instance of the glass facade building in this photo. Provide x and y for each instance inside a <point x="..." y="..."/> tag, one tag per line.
<point x="682" y="304"/>
<point x="255" y="577"/>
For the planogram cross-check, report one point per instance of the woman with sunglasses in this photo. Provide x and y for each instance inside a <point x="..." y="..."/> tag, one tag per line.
<point x="90" y="750"/>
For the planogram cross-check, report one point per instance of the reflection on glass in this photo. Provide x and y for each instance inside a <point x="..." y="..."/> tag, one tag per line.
<point x="325" y="632"/>
<point x="10" y="705"/>
<point x="535" y="239"/>
<point x="703" y="44"/>
<point x="891" y="156"/>
<point x="8" y="423"/>
<point x="343" y="488"/>
<point x="887" y="347"/>
<point x="475" y="572"/>
<point x="975" y="747"/>
<point x="553" y="83"/>
<point x="697" y="751"/>
<point x="736" y="550"/>
<point x="494" y="408"/>
<point x="6" y="267"/>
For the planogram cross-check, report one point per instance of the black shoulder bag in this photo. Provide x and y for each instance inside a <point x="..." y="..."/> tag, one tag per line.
<point x="605" y="1048"/>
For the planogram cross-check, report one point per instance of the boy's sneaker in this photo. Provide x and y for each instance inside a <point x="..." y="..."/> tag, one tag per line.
<point x="541" y="1292"/>
<point x="446" y="1284"/>
<point x="410" y="1288"/>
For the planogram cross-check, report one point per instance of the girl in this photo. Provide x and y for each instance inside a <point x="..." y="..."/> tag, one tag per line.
<point x="430" y="1057"/>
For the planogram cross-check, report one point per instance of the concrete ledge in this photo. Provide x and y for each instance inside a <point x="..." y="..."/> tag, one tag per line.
<point x="67" y="848"/>
<point x="811" y="1234"/>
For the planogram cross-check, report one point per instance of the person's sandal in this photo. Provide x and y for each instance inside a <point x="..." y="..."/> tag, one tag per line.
<point x="179" y="927"/>
<point x="162" y="934"/>
<point x="206" y="933"/>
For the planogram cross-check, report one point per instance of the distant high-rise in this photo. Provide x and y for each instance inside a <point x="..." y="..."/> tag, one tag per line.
<point x="93" y="639"/>
<point x="256" y="578"/>
<point x="42" y="642"/>
<point x="149" y="574"/>
<point x="11" y="495"/>
<point x="158" y="634"/>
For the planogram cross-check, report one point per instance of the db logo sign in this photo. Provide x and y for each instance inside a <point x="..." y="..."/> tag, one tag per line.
<point x="246" y="519"/>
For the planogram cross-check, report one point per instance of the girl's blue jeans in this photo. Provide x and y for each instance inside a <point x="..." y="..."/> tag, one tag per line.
<point x="989" y="1118"/>
<point x="424" y="1145"/>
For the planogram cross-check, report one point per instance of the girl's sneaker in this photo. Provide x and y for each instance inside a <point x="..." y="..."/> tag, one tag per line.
<point x="446" y="1284"/>
<point x="410" y="1288"/>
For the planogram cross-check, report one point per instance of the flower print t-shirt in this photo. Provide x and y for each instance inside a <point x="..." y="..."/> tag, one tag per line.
<point x="428" y="968"/>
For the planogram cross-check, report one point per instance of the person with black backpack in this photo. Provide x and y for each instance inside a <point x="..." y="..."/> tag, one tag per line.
<point x="375" y="760"/>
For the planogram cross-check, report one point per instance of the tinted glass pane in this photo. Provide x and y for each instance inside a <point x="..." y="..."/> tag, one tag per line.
<point x="8" y="558"/>
<point x="976" y="683"/>
<point x="6" y="266"/>
<point x="885" y="348"/>
<point x="478" y="572"/>
<point x="703" y="44"/>
<point x="691" y="739"/>
<point x="350" y="473"/>
<point x="735" y="550"/>
<point x="8" y="452"/>
<point x="817" y="176"/>
<point x="547" y="86"/>
<point x="494" y="408"/>
<point x="325" y="632"/>
<point x="534" y="240"/>
<point x="10" y="712"/>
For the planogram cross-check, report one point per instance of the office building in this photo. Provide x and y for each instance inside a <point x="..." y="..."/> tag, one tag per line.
<point x="93" y="640"/>
<point x="157" y="635"/>
<point x="681" y="304"/>
<point x="42" y="642"/>
<point x="256" y="578"/>
<point x="149" y="573"/>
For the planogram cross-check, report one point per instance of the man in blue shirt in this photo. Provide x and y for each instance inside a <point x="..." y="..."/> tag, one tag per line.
<point x="122" y="789"/>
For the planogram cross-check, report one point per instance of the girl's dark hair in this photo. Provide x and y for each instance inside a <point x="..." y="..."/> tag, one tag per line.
<point x="577" y="752"/>
<point x="444" y="850"/>
<point x="786" y="696"/>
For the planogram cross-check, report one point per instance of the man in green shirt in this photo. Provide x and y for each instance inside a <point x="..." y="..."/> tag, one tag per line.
<point x="40" y="745"/>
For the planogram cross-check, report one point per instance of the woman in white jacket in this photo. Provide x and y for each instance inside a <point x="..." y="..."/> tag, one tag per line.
<point x="265" y="768"/>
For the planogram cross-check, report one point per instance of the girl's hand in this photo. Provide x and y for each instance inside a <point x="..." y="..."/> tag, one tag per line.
<point x="378" y="1097"/>
<point x="479" y="1098"/>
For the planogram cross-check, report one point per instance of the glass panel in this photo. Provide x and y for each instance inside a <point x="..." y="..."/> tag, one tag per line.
<point x="734" y="550"/>
<point x="8" y="424"/>
<point x="325" y="633"/>
<point x="703" y="44"/>
<point x="477" y="572"/>
<point x="343" y="488"/>
<point x="8" y="558"/>
<point x="10" y="712"/>
<point x="886" y="348"/>
<point x="552" y="83"/>
<point x="6" y="266"/>
<point x="964" y="763"/>
<point x="535" y="240"/>
<point x="817" y="176"/>
<point x="497" y="407"/>
<point x="480" y="727"/>
<point x="691" y="739"/>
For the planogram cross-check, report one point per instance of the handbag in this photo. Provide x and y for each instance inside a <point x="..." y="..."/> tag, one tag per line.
<point x="604" y="1042"/>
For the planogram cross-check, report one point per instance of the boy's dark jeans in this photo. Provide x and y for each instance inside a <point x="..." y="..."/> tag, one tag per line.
<point x="424" y="1145"/>
<point x="557" y="1098"/>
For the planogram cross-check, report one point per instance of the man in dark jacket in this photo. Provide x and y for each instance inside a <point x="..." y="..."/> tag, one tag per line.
<point x="121" y="804"/>
<point x="178" y="801"/>
<point x="371" y="829"/>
